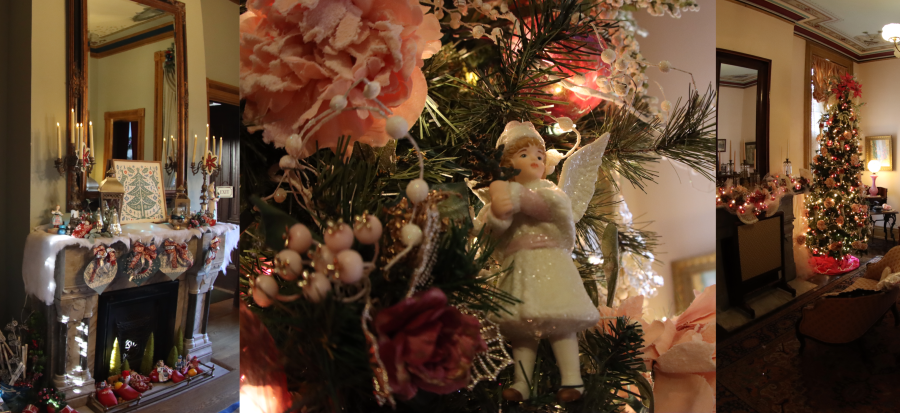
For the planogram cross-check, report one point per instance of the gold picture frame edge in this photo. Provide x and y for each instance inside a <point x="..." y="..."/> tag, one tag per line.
<point x="163" y="193"/>
<point x="890" y="140"/>
<point x="684" y="294"/>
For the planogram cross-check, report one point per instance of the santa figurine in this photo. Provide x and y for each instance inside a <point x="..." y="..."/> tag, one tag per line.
<point x="161" y="374"/>
<point x="56" y="217"/>
<point x="533" y="221"/>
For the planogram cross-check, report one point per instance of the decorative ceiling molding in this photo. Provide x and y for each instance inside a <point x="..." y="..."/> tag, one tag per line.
<point x="814" y="22"/>
<point x="738" y="81"/>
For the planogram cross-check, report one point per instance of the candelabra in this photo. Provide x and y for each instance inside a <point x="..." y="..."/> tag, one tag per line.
<point x="75" y="163"/>
<point x="73" y="167"/>
<point x="209" y="165"/>
<point x="171" y="165"/>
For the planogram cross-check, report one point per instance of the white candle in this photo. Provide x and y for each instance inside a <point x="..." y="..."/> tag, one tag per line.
<point x="205" y="149"/>
<point x="173" y="152"/>
<point x="72" y="126"/>
<point x="213" y="146"/>
<point x="91" y="126"/>
<point x="58" y="141"/>
<point x="194" y="156"/>
<point x="220" y="151"/>
<point x="207" y="131"/>
<point x="165" y="149"/>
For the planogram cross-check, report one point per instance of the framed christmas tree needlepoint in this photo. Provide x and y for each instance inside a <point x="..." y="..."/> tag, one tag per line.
<point x="145" y="199"/>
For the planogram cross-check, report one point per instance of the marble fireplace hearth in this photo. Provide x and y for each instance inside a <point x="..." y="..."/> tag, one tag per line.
<point x="72" y="320"/>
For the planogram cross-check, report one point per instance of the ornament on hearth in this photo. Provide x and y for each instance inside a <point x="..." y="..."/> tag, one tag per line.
<point x="175" y="258"/>
<point x="102" y="269"/>
<point x="141" y="263"/>
<point x="56" y="217"/>
<point x="82" y="228"/>
<point x="105" y="396"/>
<point x="161" y="373"/>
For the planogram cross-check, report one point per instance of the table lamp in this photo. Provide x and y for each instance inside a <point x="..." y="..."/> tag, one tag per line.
<point x="874" y="166"/>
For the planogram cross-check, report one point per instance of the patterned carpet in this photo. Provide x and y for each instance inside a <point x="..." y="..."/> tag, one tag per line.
<point x="760" y="370"/>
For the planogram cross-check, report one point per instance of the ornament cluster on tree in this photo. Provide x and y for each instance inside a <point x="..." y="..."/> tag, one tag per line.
<point x="382" y="284"/>
<point x="835" y="208"/>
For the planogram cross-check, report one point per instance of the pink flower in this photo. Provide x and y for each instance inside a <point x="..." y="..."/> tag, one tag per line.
<point x="298" y="54"/>
<point x="427" y="344"/>
<point x="682" y="352"/>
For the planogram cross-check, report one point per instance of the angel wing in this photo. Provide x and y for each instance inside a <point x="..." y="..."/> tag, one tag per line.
<point x="483" y="194"/>
<point x="579" y="174"/>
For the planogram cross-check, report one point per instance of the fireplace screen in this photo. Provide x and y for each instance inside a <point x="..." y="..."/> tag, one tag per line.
<point x="129" y="317"/>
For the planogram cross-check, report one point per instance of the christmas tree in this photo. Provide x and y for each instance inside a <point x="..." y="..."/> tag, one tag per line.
<point x="836" y="210"/>
<point x="367" y="154"/>
<point x="147" y="360"/>
<point x="115" y="359"/>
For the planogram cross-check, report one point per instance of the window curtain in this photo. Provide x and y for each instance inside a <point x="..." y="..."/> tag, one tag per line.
<point x="822" y="70"/>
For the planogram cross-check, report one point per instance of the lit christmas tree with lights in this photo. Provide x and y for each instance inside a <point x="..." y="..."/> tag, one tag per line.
<point x="836" y="208"/>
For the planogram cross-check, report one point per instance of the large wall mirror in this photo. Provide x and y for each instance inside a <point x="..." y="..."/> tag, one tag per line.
<point x="743" y="109"/>
<point x="134" y="81"/>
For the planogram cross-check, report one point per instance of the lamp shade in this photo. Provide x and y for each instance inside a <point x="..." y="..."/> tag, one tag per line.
<point x="891" y="32"/>
<point x="874" y="166"/>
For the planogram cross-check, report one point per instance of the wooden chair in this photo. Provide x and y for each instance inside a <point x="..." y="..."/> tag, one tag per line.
<point x="840" y="320"/>
<point x="754" y="259"/>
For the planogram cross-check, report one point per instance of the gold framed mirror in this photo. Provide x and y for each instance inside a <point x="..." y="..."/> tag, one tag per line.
<point x="689" y="275"/>
<point x="127" y="72"/>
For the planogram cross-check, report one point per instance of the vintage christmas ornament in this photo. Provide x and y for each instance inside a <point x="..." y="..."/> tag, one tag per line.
<point x="141" y="263"/>
<point x="367" y="228"/>
<point x="317" y="287"/>
<point x="412" y="234"/>
<point x="288" y="264"/>
<point x="101" y="271"/>
<point x="349" y="266"/>
<point x="338" y="236"/>
<point x="417" y="190"/>
<point x="175" y="259"/>
<point x="280" y="195"/>
<point x="299" y="238"/>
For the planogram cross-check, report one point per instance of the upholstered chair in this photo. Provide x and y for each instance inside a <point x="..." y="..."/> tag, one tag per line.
<point x="837" y="320"/>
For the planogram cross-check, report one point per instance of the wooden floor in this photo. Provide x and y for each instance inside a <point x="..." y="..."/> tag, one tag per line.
<point x="218" y="394"/>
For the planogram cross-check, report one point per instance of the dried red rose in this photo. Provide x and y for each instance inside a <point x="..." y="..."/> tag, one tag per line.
<point x="427" y="344"/>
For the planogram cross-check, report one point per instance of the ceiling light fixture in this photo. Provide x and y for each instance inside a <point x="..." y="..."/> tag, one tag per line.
<point x="891" y="33"/>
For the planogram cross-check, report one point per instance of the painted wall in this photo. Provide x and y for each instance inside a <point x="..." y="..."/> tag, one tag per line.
<point x="15" y="158"/>
<point x="743" y="29"/>
<point x="221" y="33"/>
<point x="879" y="115"/>
<point x="196" y="60"/>
<point x="680" y="213"/>
<point x="123" y="81"/>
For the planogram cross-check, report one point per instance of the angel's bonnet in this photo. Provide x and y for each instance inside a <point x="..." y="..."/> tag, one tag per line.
<point x="515" y="131"/>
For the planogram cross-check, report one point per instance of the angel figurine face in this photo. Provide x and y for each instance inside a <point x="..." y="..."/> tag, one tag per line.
<point x="528" y="156"/>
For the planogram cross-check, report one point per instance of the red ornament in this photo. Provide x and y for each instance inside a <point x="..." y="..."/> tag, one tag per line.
<point x="590" y="69"/>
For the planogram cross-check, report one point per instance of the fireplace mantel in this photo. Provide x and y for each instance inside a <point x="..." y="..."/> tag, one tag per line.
<point x="72" y="317"/>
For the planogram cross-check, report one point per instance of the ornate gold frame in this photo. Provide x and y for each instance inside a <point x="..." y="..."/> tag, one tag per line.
<point x="77" y="54"/>
<point x="683" y="277"/>
<point x="890" y="141"/>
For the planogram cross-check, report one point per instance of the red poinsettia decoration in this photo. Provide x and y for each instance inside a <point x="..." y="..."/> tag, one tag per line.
<point x="427" y="344"/>
<point x="847" y="84"/>
<point x="210" y="162"/>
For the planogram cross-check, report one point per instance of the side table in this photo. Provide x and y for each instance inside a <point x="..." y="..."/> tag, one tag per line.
<point x="889" y="218"/>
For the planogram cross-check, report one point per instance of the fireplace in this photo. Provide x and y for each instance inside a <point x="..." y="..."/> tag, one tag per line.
<point x="130" y="316"/>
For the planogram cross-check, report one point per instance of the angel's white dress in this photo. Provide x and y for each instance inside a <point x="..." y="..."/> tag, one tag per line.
<point x="538" y="254"/>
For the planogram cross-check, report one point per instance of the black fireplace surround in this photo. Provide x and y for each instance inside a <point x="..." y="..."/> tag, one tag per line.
<point x="131" y="315"/>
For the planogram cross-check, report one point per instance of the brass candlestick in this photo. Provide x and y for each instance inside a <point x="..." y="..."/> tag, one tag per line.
<point x="76" y="164"/>
<point x="209" y="166"/>
<point x="171" y="164"/>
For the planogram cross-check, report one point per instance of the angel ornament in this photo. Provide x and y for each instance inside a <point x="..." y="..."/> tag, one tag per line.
<point x="533" y="221"/>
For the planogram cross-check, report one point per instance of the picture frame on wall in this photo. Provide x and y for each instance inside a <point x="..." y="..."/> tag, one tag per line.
<point x="750" y="154"/>
<point x="721" y="145"/>
<point x="882" y="149"/>
<point x="145" y="197"/>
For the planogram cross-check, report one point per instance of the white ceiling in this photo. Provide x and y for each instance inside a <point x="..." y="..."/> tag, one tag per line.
<point x="729" y="70"/>
<point x="106" y="17"/>
<point x="843" y="22"/>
